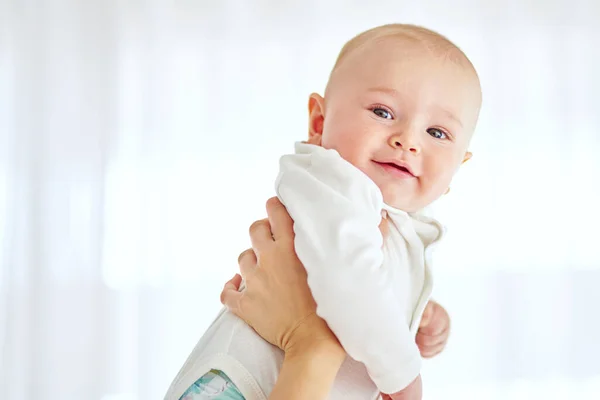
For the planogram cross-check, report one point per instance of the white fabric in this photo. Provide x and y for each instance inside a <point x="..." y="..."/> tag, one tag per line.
<point x="231" y="346"/>
<point x="138" y="141"/>
<point x="372" y="298"/>
<point x="236" y="349"/>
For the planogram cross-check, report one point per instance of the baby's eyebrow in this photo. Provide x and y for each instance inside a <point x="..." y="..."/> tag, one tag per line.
<point x="385" y="90"/>
<point x="450" y="115"/>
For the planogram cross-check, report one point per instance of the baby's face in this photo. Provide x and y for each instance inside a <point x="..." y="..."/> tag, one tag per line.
<point x="402" y="115"/>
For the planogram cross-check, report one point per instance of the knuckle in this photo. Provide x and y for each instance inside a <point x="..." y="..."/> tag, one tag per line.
<point x="256" y="225"/>
<point x="243" y="305"/>
<point x="273" y="202"/>
<point x="244" y="254"/>
<point x="224" y="296"/>
<point x="249" y="279"/>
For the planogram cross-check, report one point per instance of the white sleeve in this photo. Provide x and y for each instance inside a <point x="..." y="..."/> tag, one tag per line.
<point x="336" y="210"/>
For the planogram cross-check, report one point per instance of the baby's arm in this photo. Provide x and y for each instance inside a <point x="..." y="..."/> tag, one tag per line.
<point x="336" y="211"/>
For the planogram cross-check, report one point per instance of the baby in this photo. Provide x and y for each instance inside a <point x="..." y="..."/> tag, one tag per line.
<point x="384" y="142"/>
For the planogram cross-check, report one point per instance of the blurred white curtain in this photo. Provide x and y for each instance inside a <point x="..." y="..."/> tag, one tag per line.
<point x="139" y="139"/>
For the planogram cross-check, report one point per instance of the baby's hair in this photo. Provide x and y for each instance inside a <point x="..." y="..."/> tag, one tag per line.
<point x="438" y="44"/>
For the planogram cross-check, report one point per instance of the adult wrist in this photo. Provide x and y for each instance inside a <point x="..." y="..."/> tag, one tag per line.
<point x="312" y="335"/>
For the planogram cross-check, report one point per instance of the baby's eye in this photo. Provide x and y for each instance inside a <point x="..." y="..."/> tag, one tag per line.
<point x="437" y="133"/>
<point x="382" y="113"/>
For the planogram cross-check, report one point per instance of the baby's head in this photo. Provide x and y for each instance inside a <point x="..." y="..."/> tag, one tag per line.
<point x="401" y="104"/>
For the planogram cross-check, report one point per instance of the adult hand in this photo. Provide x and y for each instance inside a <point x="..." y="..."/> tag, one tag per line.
<point x="277" y="301"/>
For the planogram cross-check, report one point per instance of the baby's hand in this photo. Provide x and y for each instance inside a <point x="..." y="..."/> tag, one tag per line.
<point x="434" y="330"/>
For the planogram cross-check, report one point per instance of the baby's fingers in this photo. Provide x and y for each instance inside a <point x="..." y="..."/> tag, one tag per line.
<point x="430" y="352"/>
<point x="430" y="346"/>
<point x="431" y="340"/>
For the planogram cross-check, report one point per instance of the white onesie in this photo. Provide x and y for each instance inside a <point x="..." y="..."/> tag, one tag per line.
<point x="372" y="292"/>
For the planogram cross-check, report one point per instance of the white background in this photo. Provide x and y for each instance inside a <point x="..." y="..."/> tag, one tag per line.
<point x="139" y="139"/>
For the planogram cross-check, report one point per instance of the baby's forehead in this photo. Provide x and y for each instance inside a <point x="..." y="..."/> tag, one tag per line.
<point x="395" y="53"/>
<point x="400" y="65"/>
<point x="403" y="48"/>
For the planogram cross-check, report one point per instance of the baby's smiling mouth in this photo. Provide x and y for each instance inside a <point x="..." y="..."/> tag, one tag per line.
<point x="397" y="169"/>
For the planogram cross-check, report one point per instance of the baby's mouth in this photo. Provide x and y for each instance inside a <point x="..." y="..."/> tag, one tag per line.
<point x="398" y="169"/>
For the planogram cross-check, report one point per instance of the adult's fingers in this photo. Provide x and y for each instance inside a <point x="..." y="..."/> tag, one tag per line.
<point x="282" y="225"/>
<point x="260" y="235"/>
<point x="230" y="296"/>
<point x="247" y="262"/>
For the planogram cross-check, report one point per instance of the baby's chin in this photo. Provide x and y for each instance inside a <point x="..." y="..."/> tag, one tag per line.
<point x="402" y="195"/>
<point x="400" y="201"/>
<point x="408" y="203"/>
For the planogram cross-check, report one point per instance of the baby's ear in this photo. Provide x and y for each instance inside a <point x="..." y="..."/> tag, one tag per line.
<point x="316" y="118"/>
<point x="468" y="156"/>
